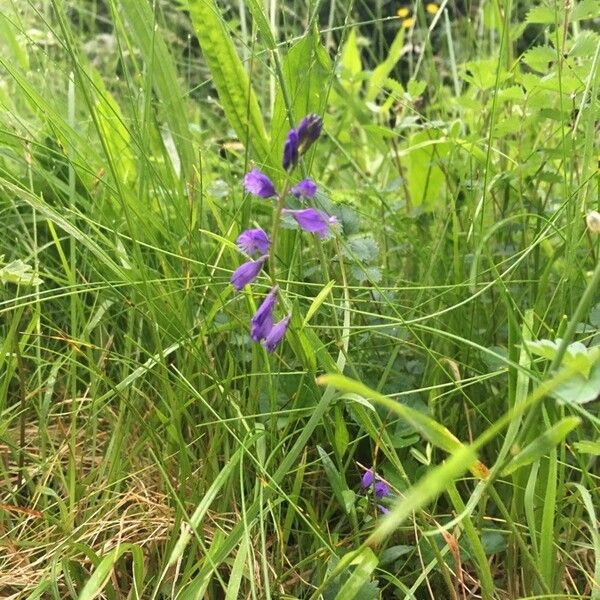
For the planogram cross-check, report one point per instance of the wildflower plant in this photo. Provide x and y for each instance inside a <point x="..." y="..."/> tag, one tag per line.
<point x="263" y="326"/>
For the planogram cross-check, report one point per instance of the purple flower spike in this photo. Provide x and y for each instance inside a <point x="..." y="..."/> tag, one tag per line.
<point x="309" y="131"/>
<point x="253" y="240"/>
<point x="307" y="188"/>
<point x="262" y="321"/>
<point x="382" y="489"/>
<point x="312" y="220"/>
<point x="247" y="273"/>
<point x="367" y="479"/>
<point x="276" y="334"/>
<point x="290" y="150"/>
<point x="257" y="183"/>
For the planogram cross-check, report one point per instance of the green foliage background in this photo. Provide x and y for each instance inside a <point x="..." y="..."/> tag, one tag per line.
<point x="448" y="337"/>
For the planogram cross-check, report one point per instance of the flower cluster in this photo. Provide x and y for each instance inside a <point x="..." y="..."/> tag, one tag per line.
<point x="256" y="242"/>
<point x="381" y="490"/>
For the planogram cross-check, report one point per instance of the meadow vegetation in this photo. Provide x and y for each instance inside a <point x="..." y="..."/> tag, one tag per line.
<point x="425" y="424"/>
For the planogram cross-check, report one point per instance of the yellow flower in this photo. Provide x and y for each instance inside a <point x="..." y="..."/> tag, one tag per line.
<point x="432" y="8"/>
<point x="408" y="23"/>
<point x="403" y="12"/>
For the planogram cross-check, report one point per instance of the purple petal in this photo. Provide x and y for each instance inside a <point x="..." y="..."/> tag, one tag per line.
<point x="290" y="150"/>
<point x="257" y="183"/>
<point x="309" y="131"/>
<point x="247" y="273"/>
<point x="383" y="510"/>
<point x="276" y="334"/>
<point x="382" y="489"/>
<point x="307" y="188"/>
<point x="253" y="240"/>
<point x="312" y="220"/>
<point x="367" y="479"/>
<point x="262" y="321"/>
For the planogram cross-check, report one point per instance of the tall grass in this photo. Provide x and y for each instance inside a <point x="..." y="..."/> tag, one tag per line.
<point x="445" y="337"/>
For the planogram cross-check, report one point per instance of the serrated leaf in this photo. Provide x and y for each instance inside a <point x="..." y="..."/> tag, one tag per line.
<point x="236" y="95"/>
<point x="542" y="15"/>
<point x="539" y="58"/>
<point x="543" y="444"/>
<point x="364" y="274"/>
<point x="363" y="248"/>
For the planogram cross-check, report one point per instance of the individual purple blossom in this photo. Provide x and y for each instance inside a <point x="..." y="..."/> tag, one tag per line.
<point x="381" y="489"/>
<point x="309" y="131"/>
<point x="367" y="479"/>
<point x="307" y="188"/>
<point x="257" y="183"/>
<point x="247" y="273"/>
<point x="290" y="150"/>
<point x="262" y="321"/>
<point x="312" y="220"/>
<point x="383" y="510"/>
<point x="276" y="334"/>
<point x="253" y="240"/>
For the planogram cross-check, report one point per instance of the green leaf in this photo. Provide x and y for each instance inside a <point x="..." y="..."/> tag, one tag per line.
<point x="101" y="575"/>
<point x="542" y="15"/>
<point x="539" y="58"/>
<point x="316" y="303"/>
<point x="392" y="554"/>
<point x="588" y="447"/>
<point x="587" y="9"/>
<point x="237" y="97"/>
<point x="363" y="248"/>
<point x="425" y="178"/>
<point x="19" y="273"/>
<point x="416" y="88"/>
<point x="336" y="480"/>
<point x="9" y="37"/>
<point x="543" y="444"/>
<point x="351" y="64"/>
<point x="306" y="71"/>
<point x="381" y="73"/>
<point x="262" y="23"/>
<point x="364" y="564"/>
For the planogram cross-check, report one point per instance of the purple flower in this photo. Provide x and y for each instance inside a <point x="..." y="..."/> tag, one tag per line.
<point x="306" y="188"/>
<point x="276" y="334"/>
<point x="253" y="240"/>
<point x="382" y="489"/>
<point x="257" y="183"/>
<point x="309" y="131"/>
<point x="247" y="273"/>
<point x="312" y="220"/>
<point x="262" y="321"/>
<point x="290" y="150"/>
<point x="383" y="510"/>
<point x="367" y="479"/>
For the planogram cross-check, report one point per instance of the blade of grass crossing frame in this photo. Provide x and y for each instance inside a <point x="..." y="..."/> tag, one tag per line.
<point x="142" y="20"/>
